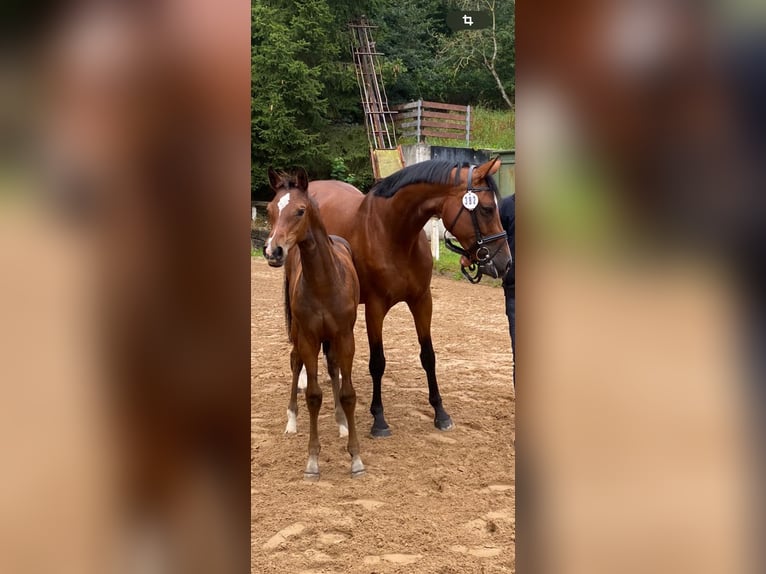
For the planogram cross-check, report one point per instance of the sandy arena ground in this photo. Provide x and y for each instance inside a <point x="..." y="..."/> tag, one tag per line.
<point x="431" y="502"/>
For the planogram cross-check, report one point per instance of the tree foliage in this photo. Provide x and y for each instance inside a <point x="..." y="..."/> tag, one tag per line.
<point x="305" y="101"/>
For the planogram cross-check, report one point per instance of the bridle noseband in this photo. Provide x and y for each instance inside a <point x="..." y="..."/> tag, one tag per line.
<point x="478" y="253"/>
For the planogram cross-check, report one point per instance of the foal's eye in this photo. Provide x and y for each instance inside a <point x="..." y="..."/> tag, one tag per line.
<point x="300" y="212"/>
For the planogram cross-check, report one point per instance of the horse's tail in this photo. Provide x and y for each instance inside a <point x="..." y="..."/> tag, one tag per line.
<point x="288" y="313"/>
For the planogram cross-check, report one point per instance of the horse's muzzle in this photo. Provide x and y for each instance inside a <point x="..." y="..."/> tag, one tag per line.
<point x="496" y="267"/>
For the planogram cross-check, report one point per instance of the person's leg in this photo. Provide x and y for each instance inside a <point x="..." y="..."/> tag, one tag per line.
<point x="510" y="311"/>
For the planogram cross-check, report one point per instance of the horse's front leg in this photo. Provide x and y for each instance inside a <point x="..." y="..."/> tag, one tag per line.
<point x="421" y="311"/>
<point x="374" y="315"/>
<point x="314" y="403"/>
<point x="292" y="408"/>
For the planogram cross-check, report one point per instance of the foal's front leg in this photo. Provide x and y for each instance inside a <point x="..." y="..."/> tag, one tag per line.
<point x="314" y="403"/>
<point x="292" y="408"/>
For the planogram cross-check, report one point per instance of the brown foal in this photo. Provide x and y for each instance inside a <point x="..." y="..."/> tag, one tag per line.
<point x="321" y="298"/>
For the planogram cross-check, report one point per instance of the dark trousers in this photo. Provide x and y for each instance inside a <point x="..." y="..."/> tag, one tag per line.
<point x="510" y="311"/>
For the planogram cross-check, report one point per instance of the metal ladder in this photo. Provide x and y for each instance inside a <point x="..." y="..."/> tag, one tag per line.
<point x="378" y="118"/>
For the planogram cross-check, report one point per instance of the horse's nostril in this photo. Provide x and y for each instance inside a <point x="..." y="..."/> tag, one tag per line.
<point x="277" y="252"/>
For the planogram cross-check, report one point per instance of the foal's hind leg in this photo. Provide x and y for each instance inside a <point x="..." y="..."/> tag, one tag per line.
<point x="314" y="403"/>
<point x="332" y="368"/>
<point x="292" y="408"/>
<point x="348" y="401"/>
<point x="421" y="311"/>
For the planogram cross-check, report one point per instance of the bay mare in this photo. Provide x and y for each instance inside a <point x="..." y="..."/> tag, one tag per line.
<point x="392" y="254"/>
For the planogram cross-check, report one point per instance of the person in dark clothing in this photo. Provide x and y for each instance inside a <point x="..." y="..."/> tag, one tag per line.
<point x="508" y="221"/>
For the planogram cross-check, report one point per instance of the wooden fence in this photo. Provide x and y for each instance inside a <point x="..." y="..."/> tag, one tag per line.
<point x="432" y="119"/>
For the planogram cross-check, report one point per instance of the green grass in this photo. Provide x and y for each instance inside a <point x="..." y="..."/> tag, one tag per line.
<point x="490" y="129"/>
<point x="449" y="266"/>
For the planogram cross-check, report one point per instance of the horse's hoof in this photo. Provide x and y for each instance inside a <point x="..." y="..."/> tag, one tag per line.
<point x="444" y="424"/>
<point x="311" y="476"/>
<point x="380" y="433"/>
<point x="358" y="473"/>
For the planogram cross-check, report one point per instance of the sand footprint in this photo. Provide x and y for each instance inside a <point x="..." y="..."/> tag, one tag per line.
<point x="478" y="551"/>
<point x="393" y="558"/>
<point x="441" y="438"/>
<point x="330" y="538"/>
<point x="497" y="488"/>
<point x="367" y="504"/>
<point x="280" y="537"/>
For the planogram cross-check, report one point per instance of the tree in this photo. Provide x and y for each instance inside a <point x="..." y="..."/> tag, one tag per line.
<point x="491" y="48"/>
<point x="288" y="107"/>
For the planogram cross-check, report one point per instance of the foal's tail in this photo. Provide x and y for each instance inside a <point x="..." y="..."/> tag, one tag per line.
<point x="288" y="313"/>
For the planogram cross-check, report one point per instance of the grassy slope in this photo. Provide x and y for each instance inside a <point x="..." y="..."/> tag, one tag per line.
<point x="490" y="129"/>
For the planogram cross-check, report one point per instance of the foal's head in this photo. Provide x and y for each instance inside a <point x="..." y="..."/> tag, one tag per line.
<point x="287" y="214"/>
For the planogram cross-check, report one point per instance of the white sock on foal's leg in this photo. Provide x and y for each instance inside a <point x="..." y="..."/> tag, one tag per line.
<point x="303" y="380"/>
<point x="292" y="423"/>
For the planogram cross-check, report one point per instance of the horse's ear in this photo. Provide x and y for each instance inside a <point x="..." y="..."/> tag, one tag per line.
<point x="302" y="179"/>
<point x="488" y="168"/>
<point x="274" y="179"/>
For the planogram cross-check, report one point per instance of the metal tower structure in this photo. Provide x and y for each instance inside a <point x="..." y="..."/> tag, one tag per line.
<point x="378" y="118"/>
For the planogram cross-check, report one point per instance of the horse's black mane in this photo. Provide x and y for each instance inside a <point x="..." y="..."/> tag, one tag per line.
<point x="432" y="171"/>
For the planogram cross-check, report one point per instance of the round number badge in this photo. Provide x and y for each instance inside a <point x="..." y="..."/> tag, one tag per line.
<point x="470" y="200"/>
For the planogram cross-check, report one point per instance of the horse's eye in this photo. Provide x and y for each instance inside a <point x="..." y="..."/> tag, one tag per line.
<point x="487" y="209"/>
<point x="300" y="212"/>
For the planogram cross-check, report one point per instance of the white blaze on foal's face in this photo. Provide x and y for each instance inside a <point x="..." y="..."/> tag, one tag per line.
<point x="283" y="202"/>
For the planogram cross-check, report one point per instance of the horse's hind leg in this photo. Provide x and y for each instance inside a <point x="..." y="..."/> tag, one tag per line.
<point x="374" y="315"/>
<point x="348" y="401"/>
<point x="292" y="408"/>
<point x="314" y="403"/>
<point x="421" y="311"/>
<point x="332" y="368"/>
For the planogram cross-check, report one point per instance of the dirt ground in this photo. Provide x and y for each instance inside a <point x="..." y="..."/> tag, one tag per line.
<point x="430" y="502"/>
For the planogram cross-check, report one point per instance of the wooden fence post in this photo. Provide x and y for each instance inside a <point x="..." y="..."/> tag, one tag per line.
<point x="468" y="126"/>
<point x="435" y="238"/>
<point x="420" y="107"/>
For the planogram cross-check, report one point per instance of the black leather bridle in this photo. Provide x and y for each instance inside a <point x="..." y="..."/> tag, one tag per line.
<point x="478" y="253"/>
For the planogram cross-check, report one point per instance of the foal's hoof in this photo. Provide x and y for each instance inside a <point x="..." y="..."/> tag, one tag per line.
<point x="380" y="432"/>
<point x="312" y="468"/>
<point x="444" y="424"/>
<point x="357" y="467"/>
<point x="358" y="473"/>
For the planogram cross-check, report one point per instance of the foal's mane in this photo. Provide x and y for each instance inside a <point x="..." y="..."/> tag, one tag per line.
<point x="432" y="171"/>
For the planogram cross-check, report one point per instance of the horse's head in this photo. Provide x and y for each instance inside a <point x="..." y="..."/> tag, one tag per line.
<point x="286" y="214"/>
<point x="470" y="214"/>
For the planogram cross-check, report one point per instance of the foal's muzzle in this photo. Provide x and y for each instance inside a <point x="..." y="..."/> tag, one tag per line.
<point x="274" y="257"/>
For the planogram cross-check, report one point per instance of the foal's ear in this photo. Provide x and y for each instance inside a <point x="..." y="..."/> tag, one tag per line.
<point x="302" y="179"/>
<point x="274" y="179"/>
<point x="485" y="169"/>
